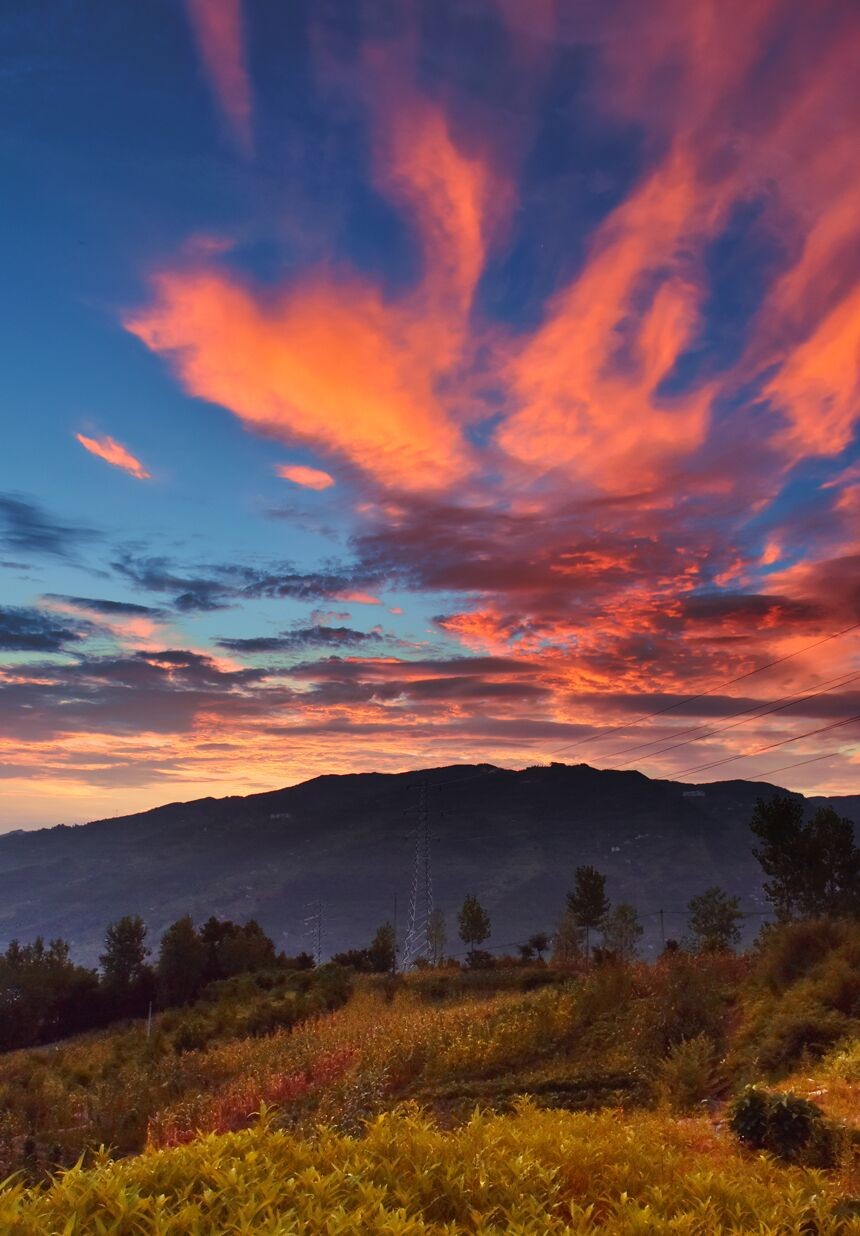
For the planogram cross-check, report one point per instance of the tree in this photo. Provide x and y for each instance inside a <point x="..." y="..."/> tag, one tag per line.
<point x="622" y="932"/>
<point x="539" y="943"/>
<point x="474" y="924"/>
<point x="181" y="963"/>
<point x="233" y="948"/>
<point x="436" y="936"/>
<point x="126" y="976"/>
<point x="382" y="952"/>
<point x="715" y="920"/>
<point x="813" y="868"/>
<point x="246" y="948"/>
<point x="353" y="959"/>
<point x="568" y="941"/>
<point x="588" y="902"/>
<point x="44" y="995"/>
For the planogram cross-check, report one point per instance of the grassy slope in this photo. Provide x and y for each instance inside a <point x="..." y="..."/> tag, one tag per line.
<point x="342" y="1154"/>
<point x="531" y="1172"/>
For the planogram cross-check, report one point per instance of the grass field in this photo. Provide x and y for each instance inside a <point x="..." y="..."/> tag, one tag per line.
<point x="402" y="1109"/>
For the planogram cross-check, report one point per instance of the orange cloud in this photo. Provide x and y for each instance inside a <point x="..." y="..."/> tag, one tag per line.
<point x="217" y="29"/>
<point x="587" y="381"/>
<point x="308" y="478"/>
<point x="356" y="598"/>
<point x="115" y="453"/>
<point x="748" y="108"/>
<point x="328" y="364"/>
<point x="331" y="362"/>
<point x="453" y="197"/>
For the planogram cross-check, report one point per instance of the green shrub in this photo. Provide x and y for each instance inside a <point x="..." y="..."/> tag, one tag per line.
<point x="192" y="1034"/>
<point x="790" y="1128"/>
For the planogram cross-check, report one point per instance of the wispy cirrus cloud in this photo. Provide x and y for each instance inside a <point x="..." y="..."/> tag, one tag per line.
<point x="217" y="26"/>
<point x="576" y="338"/>
<point x="116" y="454"/>
<point x="330" y="360"/>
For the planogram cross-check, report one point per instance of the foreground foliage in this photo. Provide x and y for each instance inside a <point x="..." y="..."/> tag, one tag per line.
<point x="532" y="1172"/>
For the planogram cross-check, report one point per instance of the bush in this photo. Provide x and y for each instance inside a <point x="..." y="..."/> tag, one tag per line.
<point x="788" y="952"/>
<point x="804" y="997"/>
<point x="788" y="1127"/>
<point x="798" y="1028"/>
<point x="686" y="997"/>
<point x="688" y="1074"/>
<point x="192" y="1034"/>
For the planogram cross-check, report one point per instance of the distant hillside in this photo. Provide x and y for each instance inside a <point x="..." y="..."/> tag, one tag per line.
<point x="512" y="838"/>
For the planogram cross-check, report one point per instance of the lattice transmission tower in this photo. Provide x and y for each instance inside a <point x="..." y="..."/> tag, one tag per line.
<point x="417" y="943"/>
<point x="314" y="928"/>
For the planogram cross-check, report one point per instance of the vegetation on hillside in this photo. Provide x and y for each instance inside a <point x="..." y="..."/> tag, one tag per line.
<point x="531" y="1172"/>
<point x="456" y="1097"/>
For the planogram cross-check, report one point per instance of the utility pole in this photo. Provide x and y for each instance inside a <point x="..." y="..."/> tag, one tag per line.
<point x="662" y="931"/>
<point x="417" y="943"/>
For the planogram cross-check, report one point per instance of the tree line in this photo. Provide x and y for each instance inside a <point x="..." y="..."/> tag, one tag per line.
<point x="811" y="869"/>
<point x="45" y="996"/>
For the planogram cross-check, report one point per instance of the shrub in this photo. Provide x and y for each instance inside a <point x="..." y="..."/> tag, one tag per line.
<point x="685" y="997"/>
<point x="688" y="1074"/>
<point x="789" y="951"/>
<point x="788" y="1127"/>
<point x="192" y="1034"/>
<point x="804" y="996"/>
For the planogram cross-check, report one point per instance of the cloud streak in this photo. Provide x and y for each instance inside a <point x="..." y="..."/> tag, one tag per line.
<point x="217" y="29"/>
<point x="116" y="454"/>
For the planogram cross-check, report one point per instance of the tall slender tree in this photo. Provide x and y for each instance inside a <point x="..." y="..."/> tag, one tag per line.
<point x="715" y="921"/>
<point x="588" y="902"/>
<point x="128" y="980"/>
<point x="622" y="931"/>
<point x="182" y="960"/>
<point x="474" y="924"/>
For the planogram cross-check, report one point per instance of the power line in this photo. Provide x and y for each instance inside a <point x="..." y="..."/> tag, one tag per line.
<point x="659" y="712"/>
<point x="770" y="746"/>
<point x="796" y="764"/>
<point x="692" y="729"/>
<point x="763" y="709"/>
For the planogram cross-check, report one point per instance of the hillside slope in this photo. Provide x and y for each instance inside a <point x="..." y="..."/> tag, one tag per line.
<point x="511" y="837"/>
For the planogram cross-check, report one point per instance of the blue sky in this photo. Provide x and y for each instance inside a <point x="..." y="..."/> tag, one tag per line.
<point x="561" y="314"/>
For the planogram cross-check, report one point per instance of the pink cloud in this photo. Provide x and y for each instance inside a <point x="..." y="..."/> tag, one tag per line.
<point x="308" y="478"/>
<point x="217" y="29"/>
<point x="114" y="453"/>
<point x="356" y="598"/>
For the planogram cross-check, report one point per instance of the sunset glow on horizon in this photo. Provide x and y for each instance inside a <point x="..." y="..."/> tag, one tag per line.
<point x="494" y="380"/>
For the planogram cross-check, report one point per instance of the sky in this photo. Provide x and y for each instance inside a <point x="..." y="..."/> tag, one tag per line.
<point x="394" y="384"/>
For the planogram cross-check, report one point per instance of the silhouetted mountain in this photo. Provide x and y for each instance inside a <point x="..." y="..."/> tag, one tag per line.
<point x="512" y="838"/>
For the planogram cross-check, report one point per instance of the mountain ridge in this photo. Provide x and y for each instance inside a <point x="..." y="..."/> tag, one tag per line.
<point x="512" y="837"/>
